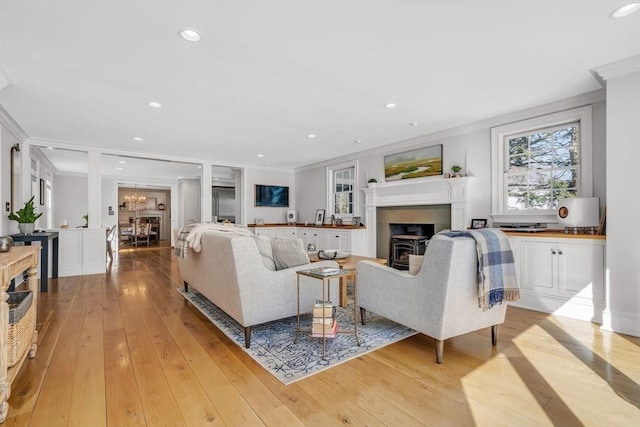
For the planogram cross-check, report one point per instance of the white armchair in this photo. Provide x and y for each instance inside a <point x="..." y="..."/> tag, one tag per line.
<point x="441" y="301"/>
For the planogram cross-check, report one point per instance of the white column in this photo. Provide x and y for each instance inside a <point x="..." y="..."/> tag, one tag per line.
<point x="94" y="185"/>
<point x="205" y="188"/>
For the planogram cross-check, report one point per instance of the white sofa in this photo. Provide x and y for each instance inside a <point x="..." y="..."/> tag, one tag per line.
<point x="441" y="301"/>
<point x="230" y="272"/>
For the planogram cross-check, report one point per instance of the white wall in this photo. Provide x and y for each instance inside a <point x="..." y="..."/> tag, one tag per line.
<point x="267" y="177"/>
<point x="623" y="203"/>
<point x="70" y="200"/>
<point x="470" y="144"/>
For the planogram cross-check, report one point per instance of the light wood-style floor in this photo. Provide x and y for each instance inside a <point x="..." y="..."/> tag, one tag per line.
<point x="124" y="348"/>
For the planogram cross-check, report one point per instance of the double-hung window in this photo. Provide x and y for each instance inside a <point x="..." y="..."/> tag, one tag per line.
<point x="538" y="162"/>
<point x="342" y="184"/>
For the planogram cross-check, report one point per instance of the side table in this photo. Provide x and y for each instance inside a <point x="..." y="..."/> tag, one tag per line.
<point x="43" y="238"/>
<point x="325" y="278"/>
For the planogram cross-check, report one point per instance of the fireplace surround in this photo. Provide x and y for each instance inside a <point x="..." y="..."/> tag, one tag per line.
<point x="412" y="193"/>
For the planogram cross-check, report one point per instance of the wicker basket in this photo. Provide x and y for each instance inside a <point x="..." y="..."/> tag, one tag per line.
<point x="22" y="323"/>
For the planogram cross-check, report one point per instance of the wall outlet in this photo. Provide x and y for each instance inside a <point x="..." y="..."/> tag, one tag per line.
<point x="8" y="207"/>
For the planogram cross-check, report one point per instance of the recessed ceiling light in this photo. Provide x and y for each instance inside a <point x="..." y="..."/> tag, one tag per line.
<point x="413" y="124"/>
<point x="358" y="141"/>
<point x="119" y="169"/>
<point x="625" y="10"/>
<point x="137" y="138"/>
<point x="260" y="155"/>
<point x="199" y="167"/>
<point x="122" y="162"/>
<point x="390" y="105"/>
<point x="190" y="35"/>
<point x="311" y="136"/>
<point x="154" y="104"/>
<point x="50" y="148"/>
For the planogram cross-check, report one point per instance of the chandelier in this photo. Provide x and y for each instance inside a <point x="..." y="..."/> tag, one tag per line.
<point x="135" y="201"/>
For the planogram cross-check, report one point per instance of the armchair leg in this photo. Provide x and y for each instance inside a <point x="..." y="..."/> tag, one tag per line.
<point x="247" y="336"/>
<point x="363" y="315"/>
<point x="439" y="351"/>
<point x="494" y="334"/>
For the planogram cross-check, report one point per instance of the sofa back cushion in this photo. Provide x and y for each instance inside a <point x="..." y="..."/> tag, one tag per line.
<point x="266" y="252"/>
<point x="288" y="252"/>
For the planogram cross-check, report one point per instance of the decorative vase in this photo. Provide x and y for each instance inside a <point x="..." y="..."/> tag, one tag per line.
<point x="5" y="243"/>
<point x="26" y="228"/>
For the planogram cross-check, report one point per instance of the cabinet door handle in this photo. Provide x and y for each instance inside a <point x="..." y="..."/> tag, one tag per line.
<point x="559" y="252"/>
<point x="553" y="252"/>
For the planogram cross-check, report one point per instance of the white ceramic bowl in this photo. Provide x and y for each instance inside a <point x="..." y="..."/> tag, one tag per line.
<point x="333" y="253"/>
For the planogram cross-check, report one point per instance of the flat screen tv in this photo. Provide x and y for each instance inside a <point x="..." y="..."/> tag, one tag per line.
<point x="275" y="196"/>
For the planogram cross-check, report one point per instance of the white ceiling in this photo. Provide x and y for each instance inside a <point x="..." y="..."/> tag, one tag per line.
<point x="268" y="73"/>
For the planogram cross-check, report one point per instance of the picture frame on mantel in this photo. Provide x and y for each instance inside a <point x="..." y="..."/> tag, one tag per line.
<point x="319" y="216"/>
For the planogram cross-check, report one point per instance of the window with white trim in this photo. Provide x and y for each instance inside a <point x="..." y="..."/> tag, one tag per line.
<point x="342" y="184"/>
<point x="540" y="161"/>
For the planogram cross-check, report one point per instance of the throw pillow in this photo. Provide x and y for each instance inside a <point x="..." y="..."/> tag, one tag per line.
<point x="264" y="247"/>
<point x="415" y="263"/>
<point x="288" y="252"/>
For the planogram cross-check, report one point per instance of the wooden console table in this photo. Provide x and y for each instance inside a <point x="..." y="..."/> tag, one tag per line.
<point x="12" y="264"/>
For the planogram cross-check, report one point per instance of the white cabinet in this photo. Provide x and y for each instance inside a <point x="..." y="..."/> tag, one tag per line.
<point x="562" y="275"/>
<point x="276" y="232"/>
<point x="324" y="238"/>
<point x="338" y="239"/>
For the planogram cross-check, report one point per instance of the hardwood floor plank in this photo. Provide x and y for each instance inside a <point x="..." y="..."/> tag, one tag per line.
<point x="53" y="404"/>
<point x="124" y="407"/>
<point x="195" y="405"/>
<point x="159" y="405"/>
<point x="88" y="402"/>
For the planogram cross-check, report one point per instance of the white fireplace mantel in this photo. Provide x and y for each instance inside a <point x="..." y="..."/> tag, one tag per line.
<point x="439" y="191"/>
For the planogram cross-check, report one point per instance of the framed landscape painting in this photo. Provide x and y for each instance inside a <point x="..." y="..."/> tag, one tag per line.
<point x="414" y="164"/>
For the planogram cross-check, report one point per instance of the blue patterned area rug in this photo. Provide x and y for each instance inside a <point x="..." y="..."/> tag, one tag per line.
<point x="272" y="343"/>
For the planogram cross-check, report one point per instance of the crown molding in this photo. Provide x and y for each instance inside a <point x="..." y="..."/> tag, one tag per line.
<point x="618" y="68"/>
<point x="12" y="126"/>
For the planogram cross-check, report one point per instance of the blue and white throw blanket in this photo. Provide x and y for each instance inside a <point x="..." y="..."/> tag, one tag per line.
<point x="497" y="281"/>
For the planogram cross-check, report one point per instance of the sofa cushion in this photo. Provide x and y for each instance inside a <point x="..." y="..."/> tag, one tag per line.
<point x="266" y="252"/>
<point x="288" y="252"/>
<point x="415" y="264"/>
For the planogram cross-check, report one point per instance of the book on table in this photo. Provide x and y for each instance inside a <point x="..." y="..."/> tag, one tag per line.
<point x="330" y="331"/>
<point x="326" y="271"/>
<point x="323" y="309"/>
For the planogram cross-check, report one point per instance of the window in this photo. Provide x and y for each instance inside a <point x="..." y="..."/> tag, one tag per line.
<point x="342" y="189"/>
<point x="540" y="161"/>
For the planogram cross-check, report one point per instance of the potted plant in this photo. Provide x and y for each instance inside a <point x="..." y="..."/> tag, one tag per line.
<point x="26" y="217"/>
<point x="456" y="170"/>
<point x="372" y="182"/>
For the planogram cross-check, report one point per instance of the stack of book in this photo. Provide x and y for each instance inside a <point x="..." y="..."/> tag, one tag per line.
<point x="324" y="320"/>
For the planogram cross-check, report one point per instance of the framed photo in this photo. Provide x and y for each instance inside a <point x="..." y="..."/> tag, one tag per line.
<point x="276" y="196"/>
<point x="319" y="216"/>
<point x="478" y="223"/>
<point x="42" y="192"/>
<point x="414" y="164"/>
